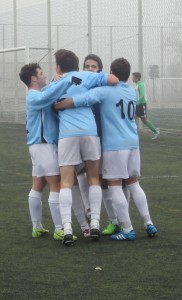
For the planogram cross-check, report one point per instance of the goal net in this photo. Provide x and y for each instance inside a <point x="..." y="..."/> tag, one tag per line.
<point x="13" y="91"/>
<point x="164" y="95"/>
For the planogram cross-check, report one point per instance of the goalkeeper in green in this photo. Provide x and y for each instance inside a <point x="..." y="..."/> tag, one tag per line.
<point x="141" y="107"/>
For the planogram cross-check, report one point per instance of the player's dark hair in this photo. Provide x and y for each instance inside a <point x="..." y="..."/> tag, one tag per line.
<point x="66" y="60"/>
<point x="137" y="75"/>
<point x="95" y="58"/>
<point x="27" y="71"/>
<point x="120" y="67"/>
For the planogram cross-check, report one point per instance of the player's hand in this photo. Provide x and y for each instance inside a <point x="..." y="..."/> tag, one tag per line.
<point x="57" y="77"/>
<point x="57" y="105"/>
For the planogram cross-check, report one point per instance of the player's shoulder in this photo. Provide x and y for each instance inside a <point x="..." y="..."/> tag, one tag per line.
<point x="140" y="83"/>
<point x="32" y="93"/>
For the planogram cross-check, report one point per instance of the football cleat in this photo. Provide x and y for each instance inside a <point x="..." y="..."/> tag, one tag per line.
<point x="86" y="232"/>
<point x="156" y="135"/>
<point x="95" y="229"/>
<point x="122" y="236"/>
<point x="38" y="232"/>
<point x="110" y="229"/>
<point x="151" y="230"/>
<point x="59" y="235"/>
<point x="95" y="234"/>
<point x="68" y="240"/>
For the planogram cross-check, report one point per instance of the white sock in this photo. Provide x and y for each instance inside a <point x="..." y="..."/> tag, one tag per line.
<point x="140" y="201"/>
<point x="35" y="208"/>
<point x="67" y="228"/>
<point x="78" y="208"/>
<point x="95" y="199"/>
<point x="84" y="190"/>
<point x="107" y="199"/>
<point x="55" y="211"/>
<point x="127" y="194"/>
<point x="94" y="224"/>
<point x="121" y="206"/>
<point x="65" y="204"/>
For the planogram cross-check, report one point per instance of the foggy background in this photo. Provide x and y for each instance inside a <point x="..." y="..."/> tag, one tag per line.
<point x="148" y="33"/>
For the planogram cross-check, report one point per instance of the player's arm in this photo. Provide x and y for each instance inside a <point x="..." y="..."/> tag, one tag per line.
<point x="57" y="77"/>
<point x="49" y="95"/>
<point x="141" y="92"/>
<point x="99" y="79"/>
<point x="86" y="99"/>
<point x="63" y="104"/>
<point x="112" y="79"/>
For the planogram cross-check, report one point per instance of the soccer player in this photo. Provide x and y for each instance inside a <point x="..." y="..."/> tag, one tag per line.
<point x="93" y="63"/>
<point x="43" y="131"/>
<point x="120" y="143"/>
<point x="141" y="107"/>
<point x="78" y="133"/>
<point x="42" y="125"/>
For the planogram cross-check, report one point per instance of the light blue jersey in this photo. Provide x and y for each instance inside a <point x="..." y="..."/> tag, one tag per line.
<point x="117" y="108"/>
<point x="80" y="121"/>
<point x="42" y="123"/>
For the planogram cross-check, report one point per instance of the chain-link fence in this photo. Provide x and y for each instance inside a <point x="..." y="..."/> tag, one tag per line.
<point x="147" y="33"/>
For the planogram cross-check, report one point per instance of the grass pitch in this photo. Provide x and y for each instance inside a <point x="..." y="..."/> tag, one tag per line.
<point x="148" y="268"/>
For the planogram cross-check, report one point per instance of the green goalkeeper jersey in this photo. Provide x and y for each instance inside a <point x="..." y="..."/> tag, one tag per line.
<point x="142" y="97"/>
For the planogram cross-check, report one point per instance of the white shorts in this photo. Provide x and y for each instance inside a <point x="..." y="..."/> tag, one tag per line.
<point x="121" y="164"/>
<point x="74" y="150"/>
<point x="44" y="160"/>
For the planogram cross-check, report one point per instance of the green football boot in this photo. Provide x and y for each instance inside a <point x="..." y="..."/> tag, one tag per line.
<point x="111" y="229"/>
<point x="38" y="232"/>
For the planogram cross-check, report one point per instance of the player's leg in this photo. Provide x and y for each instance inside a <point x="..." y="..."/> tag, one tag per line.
<point x="121" y="205"/>
<point x="84" y="190"/>
<point x="38" y="153"/>
<point x="91" y="151"/>
<point x="135" y="189"/>
<point x="68" y="156"/>
<point x="113" y="225"/>
<point x="126" y="192"/>
<point x="113" y="170"/>
<point x="65" y="201"/>
<point x="148" y="123"/>
<point x="152" y="127"/>
<point x="79" y="210"/>
<point x="35" y="206"/>
<point x="140" y="201"/>
<point x="95" y="196"/>
<point x="53" y="201"/>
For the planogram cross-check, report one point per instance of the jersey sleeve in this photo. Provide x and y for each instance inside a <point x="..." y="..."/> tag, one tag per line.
<point x="89" y="98"/>
<point x="40" y="100"/>
<point x="95" y="80"/>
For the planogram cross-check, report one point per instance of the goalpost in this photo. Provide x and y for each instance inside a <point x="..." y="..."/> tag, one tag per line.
<point x="13" y="91"/>
<point x="12" y="97"/>
<point x="164" y="110"/>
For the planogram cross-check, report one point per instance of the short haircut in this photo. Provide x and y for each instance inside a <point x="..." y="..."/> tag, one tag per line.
<point x="66" y="60"/>
<point x="27" y="71"/>
<point x="95" y="58"/>
<point x="137" y="75"/>
<point x="120" y="67"/>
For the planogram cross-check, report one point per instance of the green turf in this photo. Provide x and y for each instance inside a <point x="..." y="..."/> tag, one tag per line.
<point x="166" y="118"/>
<point x="44" y="269"/>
